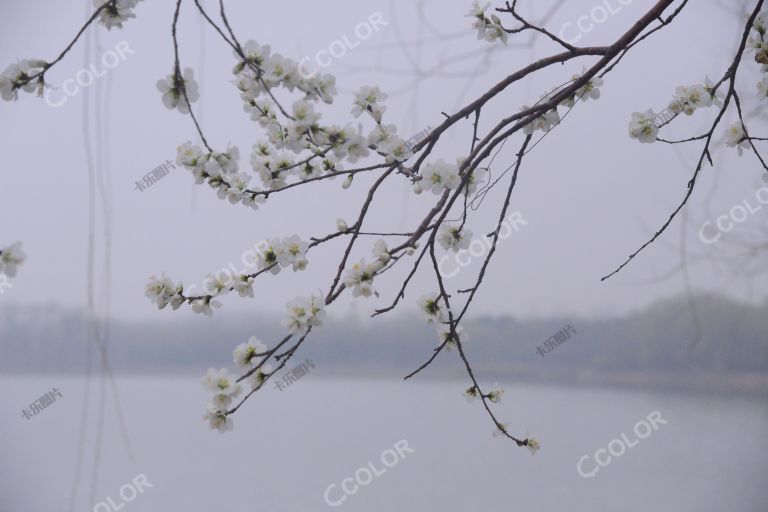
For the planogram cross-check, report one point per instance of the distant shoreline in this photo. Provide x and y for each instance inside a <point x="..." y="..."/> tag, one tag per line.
<point x="694" y="382"/>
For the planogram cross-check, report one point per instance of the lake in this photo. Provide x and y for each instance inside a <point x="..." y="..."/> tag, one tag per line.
<point x="288" y="447"/>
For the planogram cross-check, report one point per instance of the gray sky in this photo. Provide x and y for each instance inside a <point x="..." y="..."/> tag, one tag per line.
<point x="589" y="193"/>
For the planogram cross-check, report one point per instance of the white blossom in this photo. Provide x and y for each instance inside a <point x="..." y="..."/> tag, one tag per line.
<point x="218" y="420"/>
<point x="258" y="377"/>
<point x="367" y="100"/>
<point x="533" y="444"/>
<point x="253" y="200"/>
<point x="545" y="122"/>
<point x="716" y="95"/>
<point x="642" y="127"/>
<point x="267" y="258"/>
<point x="689" y="98"/>
<point x="475" y="179"/>
<point x="381" y="133"/>
<point x="11" y="258"/>
<point x="243" y="285"/>
<point x="439" y="176"/>
<point x="445" y="335"/>
<point x="590" y="90"/>
<point x="205" y="306"/>
<point x="430" y="307"/>
<point x="173" y="87"/>
<point x="395" y="150"/>
<point x="304" y="114"/>
<point x="454" y="238"/>
<point x="189" y="155"/>
<point x="762" y="88"/>
<point x="162" y="291"/>
<point x="381" y="252"/>
<point x="220" y="284"/>
<point x="359" y="277"/>
<point x="244" y="355"/>
<point x="292" y="251"/>
<point x="488" y="29"/>
<point x="224" y="387"/>
<point x="305" y="312"/>
<point x="114" y="14"/>
<point x="495" y="394"/>
<point x="17" y="76"/>
<point x="736" y="137"/>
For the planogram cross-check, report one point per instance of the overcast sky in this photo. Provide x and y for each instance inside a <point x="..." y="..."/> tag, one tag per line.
<point x="590" y="195"/>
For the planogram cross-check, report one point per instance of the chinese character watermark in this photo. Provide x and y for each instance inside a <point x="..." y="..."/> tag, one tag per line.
<point x="158" y="173"/>
<point x="669" y="113"/>
<point x="410" y="143"/>
<point x="294" y="375"/>
<point x="41" y="403"/>
<point x="556" y="340"/>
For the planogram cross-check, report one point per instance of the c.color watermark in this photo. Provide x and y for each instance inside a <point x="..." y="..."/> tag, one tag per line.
<point x="480" y="246"/>
<point x="128" y="493"/>
<point x="599" y="14"/>
<point x="339" y="48"/>
<point x="618" y="447"/>
<point x="736" y="215"/>
<point x="365" y="475"/>
<point x="249" y="259"/>
<point x="86" y="76"/>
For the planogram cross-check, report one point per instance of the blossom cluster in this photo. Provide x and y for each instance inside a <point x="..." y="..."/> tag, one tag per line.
<point x="259" y="73"/>
<point x="163" y="291"/>
<point x="225" y="389"/>
<point x="454" y="238"/>
<point x="687" y="99"/>
<point x="359" y="277"/>
<point x="494" y="395"/>
<point x="551" y="118"/>
<point x="488" y="28"/>
<point x="437" y="315"/>
<point x="251" y="359"/>
<point x="297" y="145"/>
<point x="220" y="171"/>
<point x="437" y="177"/>
<point x="305" y="312"/>
<point x="273" y="256"/>
<point x="11" y="258"/>
<point x="115" y="12"/>
<point x="179" y="90"/>
<point x="758" y="42"/>
<point x="282" y="253"/>
<point x="736" y="137"/>
<point x="25" y="75"/>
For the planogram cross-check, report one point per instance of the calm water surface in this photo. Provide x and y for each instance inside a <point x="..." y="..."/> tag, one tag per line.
<point x="289" y="446"/>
